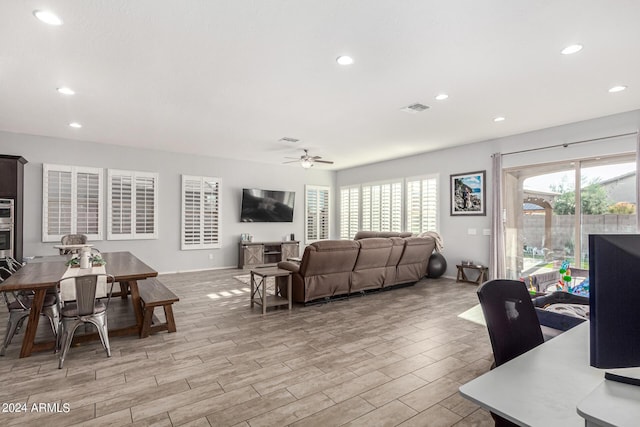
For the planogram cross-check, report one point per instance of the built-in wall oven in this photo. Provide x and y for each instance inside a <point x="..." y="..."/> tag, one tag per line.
<point x="6" y="228"/>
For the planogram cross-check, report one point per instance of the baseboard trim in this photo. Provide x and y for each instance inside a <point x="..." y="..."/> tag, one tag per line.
<point x="234" y="267"/>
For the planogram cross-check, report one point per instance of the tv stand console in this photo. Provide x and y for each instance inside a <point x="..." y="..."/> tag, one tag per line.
<point x="262" y="254"/>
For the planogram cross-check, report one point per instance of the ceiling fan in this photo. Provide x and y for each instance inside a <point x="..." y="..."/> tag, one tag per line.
<point x="306" y="161"/>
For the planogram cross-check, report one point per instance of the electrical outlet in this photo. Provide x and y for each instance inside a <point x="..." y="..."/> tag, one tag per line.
<point x="486" y="232"/>
<point x="471" y="231"/>
<point x="210" y="256"/>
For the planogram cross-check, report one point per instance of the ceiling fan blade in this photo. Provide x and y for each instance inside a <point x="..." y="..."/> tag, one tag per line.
<point x="329" y="162"/>
<point x="292" y="161"/>
<point x="297" y="158"/>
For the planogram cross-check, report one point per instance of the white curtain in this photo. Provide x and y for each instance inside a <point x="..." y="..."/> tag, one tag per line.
<point x="496" y="254"/>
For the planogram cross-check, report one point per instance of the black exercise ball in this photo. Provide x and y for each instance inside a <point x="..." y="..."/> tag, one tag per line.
<point x="437" y="265"/>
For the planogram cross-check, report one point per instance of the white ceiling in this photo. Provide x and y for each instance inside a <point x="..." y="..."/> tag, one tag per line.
<point x="230" y="78"/>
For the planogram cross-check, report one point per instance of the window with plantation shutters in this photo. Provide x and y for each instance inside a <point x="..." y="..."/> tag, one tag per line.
<point x="382" y="206"/>
<point x="349" y="211"/>
<point x="200" y="212"/>
<point x="72" y="202"/>
<point x="316" y="213"/>
<point x="132" y="211"/>
<point x="422" y="204"/>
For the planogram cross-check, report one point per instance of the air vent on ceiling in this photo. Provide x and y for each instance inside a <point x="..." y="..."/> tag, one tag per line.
<point x="415" y="108"/>
<point x="289" y="140"/>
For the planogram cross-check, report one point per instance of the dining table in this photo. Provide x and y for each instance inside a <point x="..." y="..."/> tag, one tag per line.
<point x="43" y="273"/>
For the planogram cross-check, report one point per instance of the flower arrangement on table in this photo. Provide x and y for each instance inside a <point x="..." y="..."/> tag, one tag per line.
<point x="95" y="260"/>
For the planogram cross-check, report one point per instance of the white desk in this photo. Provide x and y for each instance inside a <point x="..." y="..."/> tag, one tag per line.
<point x="611" y="404"/>
<point x="551" y="385"/>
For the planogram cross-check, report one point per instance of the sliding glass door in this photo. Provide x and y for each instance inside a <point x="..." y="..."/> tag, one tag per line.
<point x="551" y="209"/>
<point x="608" y="199"/>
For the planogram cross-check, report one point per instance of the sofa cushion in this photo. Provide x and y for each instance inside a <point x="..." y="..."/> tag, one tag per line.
<point x="329" y="256"/>
<point x="369" y="234"/>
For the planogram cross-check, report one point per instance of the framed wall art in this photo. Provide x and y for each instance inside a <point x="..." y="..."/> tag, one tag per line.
<point x="468" y="194"/>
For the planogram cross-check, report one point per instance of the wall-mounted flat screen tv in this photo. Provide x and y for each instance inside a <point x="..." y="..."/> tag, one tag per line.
<point x="267" y="205"/>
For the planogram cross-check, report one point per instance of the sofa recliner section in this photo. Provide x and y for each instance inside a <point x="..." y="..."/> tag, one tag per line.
<point x="415" y="259"/>
<point x="371" y="264"/>
<point x="391" y="267"/>
<point x="325" y="270"/>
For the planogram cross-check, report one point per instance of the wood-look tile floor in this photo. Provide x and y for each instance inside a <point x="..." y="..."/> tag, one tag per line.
<point x="392" y="358"/>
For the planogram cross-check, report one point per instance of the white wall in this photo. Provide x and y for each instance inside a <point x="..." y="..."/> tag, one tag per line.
<point x="164" y="254"/>
<point x="458" y="243"/>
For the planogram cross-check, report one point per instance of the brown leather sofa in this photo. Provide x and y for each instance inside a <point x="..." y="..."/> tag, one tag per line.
<point x="332" y="268"/>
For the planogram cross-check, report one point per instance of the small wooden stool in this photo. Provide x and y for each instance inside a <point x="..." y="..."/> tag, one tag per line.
<point x="154" y="293"/>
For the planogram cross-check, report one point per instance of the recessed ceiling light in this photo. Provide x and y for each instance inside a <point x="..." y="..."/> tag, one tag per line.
<point x="499" y="119"/>
<point x="47" y="17"/>
<point x="66" y="90"/>
<point x="442" y="97"/>
<point x="344" y="60"/>
<point x="569" y="50"/>
<point x="617" y="89"/>
<point x="75" y="125"/>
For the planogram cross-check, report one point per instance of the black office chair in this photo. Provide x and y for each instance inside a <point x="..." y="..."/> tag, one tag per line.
<point x="512" y="322"/>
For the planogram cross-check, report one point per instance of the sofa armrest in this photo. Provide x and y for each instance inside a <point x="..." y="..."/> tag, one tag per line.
<point x="289" y="265"/>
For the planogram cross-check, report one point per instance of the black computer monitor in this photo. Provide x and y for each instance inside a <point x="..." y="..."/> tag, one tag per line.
<point x="614" y="299"/>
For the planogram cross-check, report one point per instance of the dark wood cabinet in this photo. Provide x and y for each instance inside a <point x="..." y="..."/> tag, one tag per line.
<point x="12" y="187"/>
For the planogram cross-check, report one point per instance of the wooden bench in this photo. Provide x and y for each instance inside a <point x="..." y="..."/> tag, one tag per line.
<point x="153" y="293"/>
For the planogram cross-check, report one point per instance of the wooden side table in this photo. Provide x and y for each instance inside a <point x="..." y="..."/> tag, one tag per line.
<point x="259" y="288"/>
<point x="462" y="276"/>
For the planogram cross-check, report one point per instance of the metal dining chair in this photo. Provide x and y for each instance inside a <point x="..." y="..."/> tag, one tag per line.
<point x="10" y="264"/>
<point x="72" y="239"/>
<point x="88" y="307"/>
<point x="19" y="308"/>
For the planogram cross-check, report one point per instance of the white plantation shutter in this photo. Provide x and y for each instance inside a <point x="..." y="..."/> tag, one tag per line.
<point x="120" y="208"/>
<point x="396" y="207"/>
<point x="382" y="207"/>
<point x="422" y="204"/>
<point x="132" y="205"/>
<point x="316" y="213"/>
<point x="72" y="202"/>
<point x="366" y="207"/>
<point x="56" y="204"/>
<point x="210" y="201"/>
<point x="349" y="211"/>
<point x="200" y="212"/>
<point x="88" y="201"/>
<point x="146" y="205"/>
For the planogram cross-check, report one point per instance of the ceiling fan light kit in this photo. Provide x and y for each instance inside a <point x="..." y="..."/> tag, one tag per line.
<point x="307" y="161"/>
